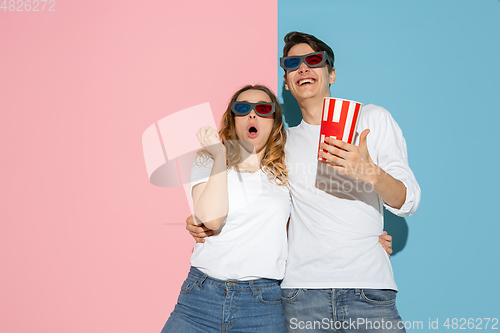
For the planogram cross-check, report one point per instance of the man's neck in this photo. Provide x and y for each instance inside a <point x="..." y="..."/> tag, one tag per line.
<point x="312" y="109"/>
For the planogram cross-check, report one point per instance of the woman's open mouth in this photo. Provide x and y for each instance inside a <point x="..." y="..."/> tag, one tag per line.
<point x="252" y="131"/>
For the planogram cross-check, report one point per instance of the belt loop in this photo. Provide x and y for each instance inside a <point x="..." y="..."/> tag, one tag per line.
<point x="200" y="281"/>
<point x="357" y="291"/>
<point x="255" y="291"/>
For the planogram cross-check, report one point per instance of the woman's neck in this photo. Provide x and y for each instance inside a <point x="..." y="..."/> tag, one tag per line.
<point x="250" y="161"/>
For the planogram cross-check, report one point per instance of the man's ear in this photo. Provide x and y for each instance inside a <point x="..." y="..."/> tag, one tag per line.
<point x="332" y="76"/>
<point x="286" y="82"/>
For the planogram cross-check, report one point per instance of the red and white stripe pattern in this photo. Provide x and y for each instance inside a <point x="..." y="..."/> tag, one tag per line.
<point x="340" y="119"/>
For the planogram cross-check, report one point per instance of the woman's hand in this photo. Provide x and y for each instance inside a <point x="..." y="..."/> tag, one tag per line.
<point x="210" y="141"/>
<point x="386" y="241"/>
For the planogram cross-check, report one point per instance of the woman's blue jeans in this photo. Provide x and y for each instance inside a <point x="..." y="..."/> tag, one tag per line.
<point x="210" y="305"/>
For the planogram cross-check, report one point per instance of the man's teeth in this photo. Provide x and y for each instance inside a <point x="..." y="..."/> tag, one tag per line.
<point x="301" y="82"/>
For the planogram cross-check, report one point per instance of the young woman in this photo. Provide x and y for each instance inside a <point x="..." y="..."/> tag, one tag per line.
<point x="239" y="191"/>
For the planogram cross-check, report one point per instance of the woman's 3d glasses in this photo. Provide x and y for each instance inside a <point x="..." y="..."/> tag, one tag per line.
<point x="316" y="59"/>
<point x="262" y="109"/>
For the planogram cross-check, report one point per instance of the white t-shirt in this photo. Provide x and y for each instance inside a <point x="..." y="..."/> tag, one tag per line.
<point x="252" y="242"/>
<point x="334" y="229"/>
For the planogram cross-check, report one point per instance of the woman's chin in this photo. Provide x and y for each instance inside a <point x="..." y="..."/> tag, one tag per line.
<point x="247" y="145"/>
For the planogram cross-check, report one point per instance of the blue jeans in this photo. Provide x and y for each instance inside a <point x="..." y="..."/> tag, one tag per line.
<point x="341" y="310"/>
<point x="210" y="305"/>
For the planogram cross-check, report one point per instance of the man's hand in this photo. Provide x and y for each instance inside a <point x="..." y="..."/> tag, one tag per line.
<point x="348" y="159"/>
<point x="356" y="163"/>
<point x="199" y="232"/>
<point x="386" y="241"/>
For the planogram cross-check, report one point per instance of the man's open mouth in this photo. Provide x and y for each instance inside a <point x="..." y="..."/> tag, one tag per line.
<point x="305" y="81"/>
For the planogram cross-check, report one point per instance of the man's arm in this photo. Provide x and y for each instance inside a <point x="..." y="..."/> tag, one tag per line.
<point x="199" y="232"/>
<point x="355" y="162"/>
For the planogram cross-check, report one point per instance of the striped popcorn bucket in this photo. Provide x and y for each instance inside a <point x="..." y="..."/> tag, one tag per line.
<point x="339" y="120"/>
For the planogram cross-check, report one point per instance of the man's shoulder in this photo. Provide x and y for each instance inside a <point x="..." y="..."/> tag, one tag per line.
<point x="372" y="114"/>
<point x="372" y="110"/>
<point x="293" y="130"/>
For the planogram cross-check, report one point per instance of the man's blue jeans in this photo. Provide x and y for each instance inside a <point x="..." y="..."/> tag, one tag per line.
<point x="210" y="305"/>
<point x="341" y="310"/>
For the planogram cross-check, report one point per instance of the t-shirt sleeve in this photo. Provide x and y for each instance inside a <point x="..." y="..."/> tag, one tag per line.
<point x="200" y="171"/>
<point x="392" y="157"/>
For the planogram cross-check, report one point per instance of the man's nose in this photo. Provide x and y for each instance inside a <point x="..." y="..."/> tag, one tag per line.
<point x="303" y="68"/>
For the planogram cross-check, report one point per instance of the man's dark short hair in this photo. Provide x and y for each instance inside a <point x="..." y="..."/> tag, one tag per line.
<point x="293" y="38"/>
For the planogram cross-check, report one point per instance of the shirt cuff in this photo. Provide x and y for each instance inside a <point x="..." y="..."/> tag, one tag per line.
<point x="412" y="200"/>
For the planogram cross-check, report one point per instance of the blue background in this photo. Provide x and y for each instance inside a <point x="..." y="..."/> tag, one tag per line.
<point x="435" y="66"/>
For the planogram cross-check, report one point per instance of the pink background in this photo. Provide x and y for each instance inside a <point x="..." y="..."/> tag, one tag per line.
<point x="87" y="244"/>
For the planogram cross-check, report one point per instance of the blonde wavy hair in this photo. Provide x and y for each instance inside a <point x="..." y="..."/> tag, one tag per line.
<point x="273" y="161"/>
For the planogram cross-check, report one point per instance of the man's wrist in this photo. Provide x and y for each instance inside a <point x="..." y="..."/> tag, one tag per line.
<point x="375" y="175"/>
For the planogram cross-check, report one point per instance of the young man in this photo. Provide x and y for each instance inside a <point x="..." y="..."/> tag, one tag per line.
<point x="338" y="277"/>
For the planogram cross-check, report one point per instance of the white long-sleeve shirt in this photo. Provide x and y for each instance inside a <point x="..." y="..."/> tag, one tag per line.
<point x="335" y="221"/>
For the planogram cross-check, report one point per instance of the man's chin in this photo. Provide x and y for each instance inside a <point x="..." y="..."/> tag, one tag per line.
<point x="304" y="95"/>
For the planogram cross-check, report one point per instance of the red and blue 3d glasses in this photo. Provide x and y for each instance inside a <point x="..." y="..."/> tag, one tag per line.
<point x="315" y="59"/>
<point x="262" y="109"/>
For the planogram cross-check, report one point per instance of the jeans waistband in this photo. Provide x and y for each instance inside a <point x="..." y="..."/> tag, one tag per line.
<point x="201" y="278"/>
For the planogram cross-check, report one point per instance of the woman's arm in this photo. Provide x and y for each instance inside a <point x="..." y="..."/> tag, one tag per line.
<point x="210" y="199"/>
